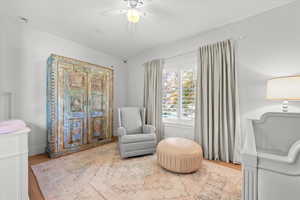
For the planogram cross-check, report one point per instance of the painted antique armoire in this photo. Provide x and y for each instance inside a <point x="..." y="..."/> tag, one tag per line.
<point x="79" y="105"/>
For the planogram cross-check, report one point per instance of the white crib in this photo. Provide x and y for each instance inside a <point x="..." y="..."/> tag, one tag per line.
<point x="271" y="157"/>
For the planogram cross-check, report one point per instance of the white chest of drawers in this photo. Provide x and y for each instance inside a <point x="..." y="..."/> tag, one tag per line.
<point x="14" y="165"/>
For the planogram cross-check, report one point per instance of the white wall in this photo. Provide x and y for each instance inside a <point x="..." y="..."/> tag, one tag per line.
<point x="26" y="53"/>
<point x="270" y="48"/>
<point x="179" y="130"/>
<point x="1" y="58"/>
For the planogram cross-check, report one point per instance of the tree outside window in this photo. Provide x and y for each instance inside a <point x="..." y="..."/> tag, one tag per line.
<point x="179" y="93"/>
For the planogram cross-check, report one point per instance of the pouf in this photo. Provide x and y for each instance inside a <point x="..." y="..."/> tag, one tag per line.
<point x="179" y="155"/>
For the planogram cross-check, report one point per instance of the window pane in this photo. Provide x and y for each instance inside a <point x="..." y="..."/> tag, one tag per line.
<point x="188" y="94"/>
<point x="170" y="94"/>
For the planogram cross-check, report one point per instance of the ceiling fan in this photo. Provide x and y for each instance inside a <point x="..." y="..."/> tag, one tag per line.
<point x="134" y="11"/>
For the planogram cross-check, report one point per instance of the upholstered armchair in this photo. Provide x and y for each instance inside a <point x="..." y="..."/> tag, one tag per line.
<point x="135" y="137"/>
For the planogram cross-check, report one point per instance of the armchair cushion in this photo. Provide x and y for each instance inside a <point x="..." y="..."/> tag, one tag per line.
<point x="148" y="129"/>
<point x="131" y="120"/>
<point x="137" y="138"/>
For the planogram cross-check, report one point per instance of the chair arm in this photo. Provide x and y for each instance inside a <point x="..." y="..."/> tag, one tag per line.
<point x="148" y="129"/>
<point x="121" y="131"/>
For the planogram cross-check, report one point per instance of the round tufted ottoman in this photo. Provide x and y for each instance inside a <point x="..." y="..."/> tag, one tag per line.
<point x="179" y="155"/>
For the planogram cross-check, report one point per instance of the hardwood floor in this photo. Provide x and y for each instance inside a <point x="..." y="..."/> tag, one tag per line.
<point x="230" y="165"/>
<point x="34" y="189"/>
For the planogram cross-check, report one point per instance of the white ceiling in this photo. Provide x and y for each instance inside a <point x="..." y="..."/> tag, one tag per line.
<point x="170" y="20"/>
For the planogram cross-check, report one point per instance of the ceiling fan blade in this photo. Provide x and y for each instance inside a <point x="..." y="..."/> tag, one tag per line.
<point x="113" y="12"/>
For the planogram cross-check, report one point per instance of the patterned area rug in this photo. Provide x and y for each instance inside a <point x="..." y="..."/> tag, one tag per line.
<point x="100" y="174"/>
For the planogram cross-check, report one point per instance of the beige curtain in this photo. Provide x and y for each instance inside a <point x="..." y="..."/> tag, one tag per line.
<point x="153" y="95"/>
<point x="217" y="122"/>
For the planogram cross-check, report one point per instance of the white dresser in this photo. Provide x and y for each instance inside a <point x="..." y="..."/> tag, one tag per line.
<point x="14" y="165"/>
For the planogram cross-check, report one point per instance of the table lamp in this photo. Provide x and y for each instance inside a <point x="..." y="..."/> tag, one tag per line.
<point x="285" y="89"/>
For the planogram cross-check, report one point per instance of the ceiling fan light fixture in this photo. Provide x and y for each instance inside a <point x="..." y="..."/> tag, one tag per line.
<point x="133" y="16"/>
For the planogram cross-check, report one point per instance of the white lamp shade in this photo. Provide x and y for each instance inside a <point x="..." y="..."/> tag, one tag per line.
<point x="284" y="88"/>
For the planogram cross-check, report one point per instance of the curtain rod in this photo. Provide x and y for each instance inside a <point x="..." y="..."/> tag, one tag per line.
<point x="194" y="51"/>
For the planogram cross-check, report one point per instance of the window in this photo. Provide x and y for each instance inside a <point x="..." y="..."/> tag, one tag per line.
<point x="188" y="94"/>
<point x="179" y="77"/>
<point x="170" y="94"/>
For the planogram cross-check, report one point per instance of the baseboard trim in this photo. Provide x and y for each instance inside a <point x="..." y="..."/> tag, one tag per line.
<point x="37" y="149"/>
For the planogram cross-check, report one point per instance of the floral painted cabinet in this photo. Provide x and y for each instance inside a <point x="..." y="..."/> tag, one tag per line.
<point x="79" y="105"/>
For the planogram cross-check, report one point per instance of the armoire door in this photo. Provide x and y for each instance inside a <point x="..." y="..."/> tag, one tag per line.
<point x="79" y="105"/>
<point x="74" y="107"/>
<point x="97" y="107"/>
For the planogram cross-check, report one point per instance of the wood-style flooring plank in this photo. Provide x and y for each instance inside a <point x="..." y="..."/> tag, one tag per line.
<point x="33" y="186"/>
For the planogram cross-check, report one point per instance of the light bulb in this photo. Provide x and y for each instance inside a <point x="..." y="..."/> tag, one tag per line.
<point x="133" y="16"/>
